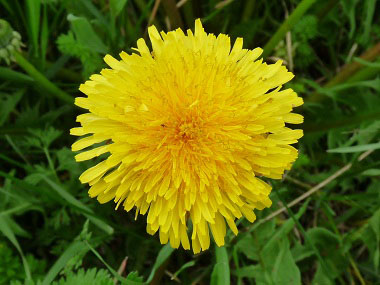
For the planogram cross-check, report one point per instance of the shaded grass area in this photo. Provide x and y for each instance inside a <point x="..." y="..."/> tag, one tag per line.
<point x="324" y="225"/>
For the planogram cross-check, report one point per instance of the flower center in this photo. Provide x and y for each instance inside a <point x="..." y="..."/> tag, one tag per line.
<point x="188" y="131"/>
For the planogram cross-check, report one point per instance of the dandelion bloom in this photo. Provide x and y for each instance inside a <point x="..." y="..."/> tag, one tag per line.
<point x="189" y="128"/>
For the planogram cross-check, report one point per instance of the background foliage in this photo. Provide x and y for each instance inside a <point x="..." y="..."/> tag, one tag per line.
<point x="51" y="232"/>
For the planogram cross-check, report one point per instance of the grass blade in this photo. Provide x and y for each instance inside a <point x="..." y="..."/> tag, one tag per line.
<point x="114" y="272"/>
<point x="78" y="204"/>
<point x="163" y="255"/>
<point x="75" y="248"/>
<point x="116" y="7"/>
<point x="356" y="148"/>
<point x="287" y="26"/>
<point x="10" y="75"/>
<point x="7" y="231"/>
<point x="183" y="267"/>
<point x="33" y="8"/>
<point x="44" y="35"/>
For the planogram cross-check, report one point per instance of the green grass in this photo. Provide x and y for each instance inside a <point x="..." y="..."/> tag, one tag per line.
<point x="324" y="225"/>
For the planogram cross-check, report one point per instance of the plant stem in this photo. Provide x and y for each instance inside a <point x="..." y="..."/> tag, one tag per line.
<point x="42" y="80"/>
<point x="50" y="162"/>
<point x="222" y="265"/>
<point x="287" y="25"/>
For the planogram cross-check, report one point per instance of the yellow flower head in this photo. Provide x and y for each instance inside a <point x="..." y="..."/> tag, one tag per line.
<point x="189" y="128"/>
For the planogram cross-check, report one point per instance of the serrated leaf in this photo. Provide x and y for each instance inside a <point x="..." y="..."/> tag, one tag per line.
<point x="67" y="162"/>
<point x="90" y="276"/>
<point x="43" y="138"/>
<point x="90" y="59"/>
<point x="86" y="35"/>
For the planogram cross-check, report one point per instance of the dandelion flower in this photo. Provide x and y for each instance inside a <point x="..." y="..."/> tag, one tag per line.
<point x="189" y="128"/>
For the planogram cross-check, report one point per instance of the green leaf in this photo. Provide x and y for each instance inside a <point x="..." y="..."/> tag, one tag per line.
<point x="90" y="7"/>
<point x="368" y="18"/>
<point x="134" y="276"/>
<point x="277" y="264"/>
<point x="86" y="35"/>
<point x="246" y="271"/>
<point x="371" y="172"/>
<point x="75" y="248"/>
<point x="284" y="268"/>
<point x="349" y="7"/>
<point x="117" y="6"/>
<point x="283" y="231"/>
<point x="67" y="198"/>
<point x="8" y="103"/>
<point x="251" y="244"/>
<point x="78" y="204"/>
<point x="357" y="148"/>
<point x="371" y="238"/>
<point x="367" y="63"/>
<point x="6" y="5"/>
<point x="17" y="209"/>
<point x="67" y="162"/>
<point x="306" y="28"/>
<point x="10" y="75"/>
<point x="163" y="255"/>
<point x="116" y="275"/>
<point x="46" y="137"/>
<point x="90" y="276"/>
<point x="287" y="25"/>
<point x="221" y="272"/>
<point x="329" y="247"/>
<point x="6" y="230"/>
<point x="90" y="59"/>
<point x="66" y="195"/>
<point x="182" y="268"/>
<point x="374" y="84"/>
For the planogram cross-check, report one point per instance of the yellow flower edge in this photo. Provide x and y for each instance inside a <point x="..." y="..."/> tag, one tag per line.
<point x="189" y="128"/>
